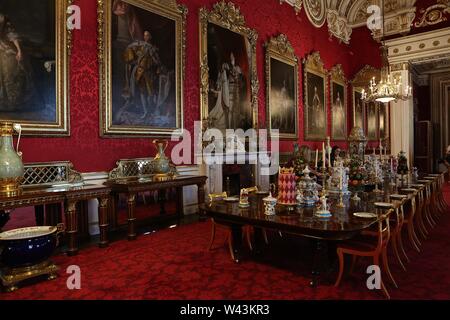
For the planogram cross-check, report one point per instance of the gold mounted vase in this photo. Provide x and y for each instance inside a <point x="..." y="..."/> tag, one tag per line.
<point x="11" y="165"/>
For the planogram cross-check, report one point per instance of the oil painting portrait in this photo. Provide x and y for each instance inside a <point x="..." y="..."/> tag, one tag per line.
<point x="32" y="58"/>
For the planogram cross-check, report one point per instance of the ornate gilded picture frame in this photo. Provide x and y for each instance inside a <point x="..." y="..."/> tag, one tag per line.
<point x="338" y="103"/>
<point x="34" y="65"/>
<point x="315" y="98"/>
<point x="282" y="88"/>
<point x="358" y="110"/>
<point x="228" y="74"/>
<point x="141" y="61"/>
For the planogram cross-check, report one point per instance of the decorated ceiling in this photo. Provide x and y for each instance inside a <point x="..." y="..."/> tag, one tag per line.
<point x="342" y="16"/>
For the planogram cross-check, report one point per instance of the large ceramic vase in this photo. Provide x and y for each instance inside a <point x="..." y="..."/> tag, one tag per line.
<point x="28" y="246"/>
<point x="11" y="165"/>
<point x="161" y="164"/>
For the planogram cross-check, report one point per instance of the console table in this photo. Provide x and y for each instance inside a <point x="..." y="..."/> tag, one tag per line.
<point x="131" y="186"/>
<point x="51" y="184"/>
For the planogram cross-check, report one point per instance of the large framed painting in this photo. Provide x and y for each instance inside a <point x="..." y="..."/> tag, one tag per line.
<point x="384" y="121"/>
<point x="141" y="44"/>
<point x="315" y="93"/>
<point x="282" y="88"/>
<point x="372" y="120"/>
<point x="359" y="114"/>
<point x="34" y="81"/>
<point x="228" y="83"/>
<point x="338" y="103"/>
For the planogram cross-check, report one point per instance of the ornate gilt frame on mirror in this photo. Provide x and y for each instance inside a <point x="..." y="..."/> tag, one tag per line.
<point x="337" y="76"/>
<point x="168" y="9"/>
<point x="228" y="16"/>
<point x="62" y="45"/>
<point x="313" y="64"/>
<point x="279" y="48"/>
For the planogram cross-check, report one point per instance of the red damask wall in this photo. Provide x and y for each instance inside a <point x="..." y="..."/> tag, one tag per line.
<point x="91" y="153"/>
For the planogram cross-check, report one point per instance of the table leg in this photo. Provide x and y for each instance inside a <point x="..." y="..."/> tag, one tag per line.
<point x="236" y="234"/>
<point x="103" y="221"/>
<point x="131" y="218"/>
<point x="39" y="214"/>
<point x="71" y="227"/>
<point x="180" y="207"/>
<point x="320" y="261"/>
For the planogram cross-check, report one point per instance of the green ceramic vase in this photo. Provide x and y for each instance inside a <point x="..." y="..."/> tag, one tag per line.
<point x="11" y="165"/>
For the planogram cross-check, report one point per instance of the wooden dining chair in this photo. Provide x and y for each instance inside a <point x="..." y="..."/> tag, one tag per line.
<point x="247" y="230"/>
<point x="399" y="201"/>
<point x="436" y="209"/>
<point x="410" y="218"/>
<point x="419" y="216"/>
<point x="216" y="197"/>
<point x="427" y="207"/>
<point x="368" y="246"/>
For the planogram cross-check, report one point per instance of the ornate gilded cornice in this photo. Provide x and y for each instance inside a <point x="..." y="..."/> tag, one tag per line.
<point x="434" y="14"/>
<point x="338" y="26"/>
<point x="297" y="4"/>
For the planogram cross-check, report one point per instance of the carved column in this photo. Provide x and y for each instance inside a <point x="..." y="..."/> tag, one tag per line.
<point x="103" y="221"/>
<point x="131" y="201"/>
<point x="71" y="227"/>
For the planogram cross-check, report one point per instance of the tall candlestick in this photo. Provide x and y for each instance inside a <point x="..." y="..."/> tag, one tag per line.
<point x="317" y="157"/>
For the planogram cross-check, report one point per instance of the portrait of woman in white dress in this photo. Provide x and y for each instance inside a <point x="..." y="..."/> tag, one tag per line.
<point x="338" y="114"/>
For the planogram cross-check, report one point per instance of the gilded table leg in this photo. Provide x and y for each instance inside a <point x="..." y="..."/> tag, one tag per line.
<point x="71" y="227"/>
<point x="103" y="221"/>
<point x="131" y="218"/>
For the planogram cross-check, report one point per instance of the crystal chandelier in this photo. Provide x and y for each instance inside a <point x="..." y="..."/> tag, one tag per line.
<point x="389" y="88"/>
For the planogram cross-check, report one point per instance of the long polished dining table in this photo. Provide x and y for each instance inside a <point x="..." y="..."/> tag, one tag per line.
<point x="303" y="221"/>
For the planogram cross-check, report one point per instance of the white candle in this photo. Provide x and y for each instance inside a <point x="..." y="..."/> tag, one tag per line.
<point x="323" y="155"/>
<point x="340" y="181"/>
<point x="329" y="157"/>
<point x="317" y="157"/>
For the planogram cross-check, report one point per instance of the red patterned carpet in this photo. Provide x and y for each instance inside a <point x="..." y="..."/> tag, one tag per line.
<point x="174" y="264"/>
